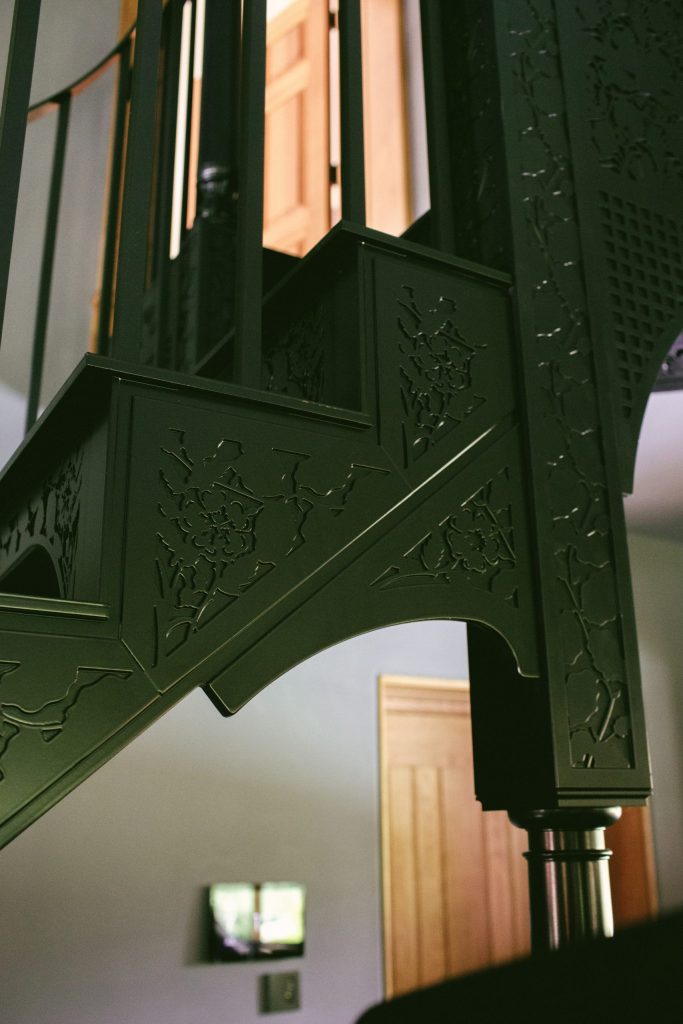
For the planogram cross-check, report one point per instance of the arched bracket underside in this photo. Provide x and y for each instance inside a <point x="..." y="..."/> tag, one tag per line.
<point x="221" y="535"/>
<point x="650" y="374"/>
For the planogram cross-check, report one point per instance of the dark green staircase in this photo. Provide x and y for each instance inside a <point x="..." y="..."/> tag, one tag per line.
<point x="426" y="437"/>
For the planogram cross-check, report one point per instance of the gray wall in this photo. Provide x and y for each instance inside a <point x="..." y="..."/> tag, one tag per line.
<point x="100" y="912"/>
<point x="657" y="568"/>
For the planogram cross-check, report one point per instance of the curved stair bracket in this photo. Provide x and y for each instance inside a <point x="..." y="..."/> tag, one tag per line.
<point x="209" y="535"/>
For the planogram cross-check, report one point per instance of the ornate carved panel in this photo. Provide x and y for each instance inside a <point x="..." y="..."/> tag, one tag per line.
<point x="435" y="366"/>
<point x="49" y="519"/>
<point x="295" y="364"/>
<point x="474" y="543"/>
<point x="570" y="455"/>
<point x="624" y="103"/>
<point x="231" y="515"/>
<point x="444" y="359"/>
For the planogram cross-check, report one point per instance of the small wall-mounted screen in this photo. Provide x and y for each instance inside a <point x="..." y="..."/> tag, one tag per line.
<point x="256" y="920"/>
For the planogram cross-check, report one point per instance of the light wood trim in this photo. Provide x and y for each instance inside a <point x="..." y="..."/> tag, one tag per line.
<point x="288" y="84"/>
<point x="427" y="682"/>
<point x="288" y="19"/>
<point x="288" y="228"/>
<point x="387" y="159"/>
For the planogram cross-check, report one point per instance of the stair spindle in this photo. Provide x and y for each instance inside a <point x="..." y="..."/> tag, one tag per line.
<point x="133" y="247"/>
<point x="114" y="200"/>
<point x="249" y="275"/>
<point x="438" y="134"/>
<point x="351" y="88"/>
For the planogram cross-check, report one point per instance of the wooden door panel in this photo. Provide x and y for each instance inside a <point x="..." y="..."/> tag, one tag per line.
<point x="455" y="898"/>
<point x="403" y="940"/>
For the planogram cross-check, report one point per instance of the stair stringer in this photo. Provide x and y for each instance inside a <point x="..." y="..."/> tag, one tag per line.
<point x="351" y="530"/>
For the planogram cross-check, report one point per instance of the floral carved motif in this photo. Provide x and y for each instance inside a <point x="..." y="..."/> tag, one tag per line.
<point x="474" y="544"/>
<point x="50" y="519"/>
<point x="436" y="370"/>
<point x="635" y="128"/>
<point x="230" y="517"/>
<point x="48" y="719"/>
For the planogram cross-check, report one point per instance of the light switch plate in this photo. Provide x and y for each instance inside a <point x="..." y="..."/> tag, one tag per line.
<point x="280" y="992"/>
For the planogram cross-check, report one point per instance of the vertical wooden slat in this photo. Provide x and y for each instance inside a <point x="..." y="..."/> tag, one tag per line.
<point x="47" y="263"/>
<point x="458" y="903"/>
<point x="518" y="844"/>
<point x="351" y="84"/>
<point x="15" y="101"/>
<point x="249" y="276"/>
<point x="132" y="260"/>
<point x="500" y="905"/>
<point x="428" y="843"/>
<point x="438" y="128"/>
<point x="469" y="943"/>
<point x="405" y="952"/>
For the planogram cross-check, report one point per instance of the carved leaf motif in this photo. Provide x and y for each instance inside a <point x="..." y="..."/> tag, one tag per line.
<point x="230" y="517"/>
<point x="436" y="368"/>
<point x="48" y="719"/>
<point x="585" y="595"/>
<point x="635" y="129"/>
<point x="51" y="519"/>
<point x="474" y="544"/>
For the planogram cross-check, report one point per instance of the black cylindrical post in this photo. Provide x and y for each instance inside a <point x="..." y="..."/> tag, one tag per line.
<point x="569" y="886"/>
<point x="220" y="89"/>
<point x="15" y="101"/>
<point x="249" y="273"/>
<point x="438" y="129"/>
<point x="351" y="92"/>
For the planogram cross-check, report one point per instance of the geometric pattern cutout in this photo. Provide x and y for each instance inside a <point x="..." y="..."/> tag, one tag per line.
<point x="645" y="260"/>
<point x="671" y="372"/>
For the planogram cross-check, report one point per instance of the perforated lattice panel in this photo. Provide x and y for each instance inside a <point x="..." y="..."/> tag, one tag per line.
<point x="645" y="276"/>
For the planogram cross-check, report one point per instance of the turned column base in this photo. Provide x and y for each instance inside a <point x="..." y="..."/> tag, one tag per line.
<point x="569" y="887"/>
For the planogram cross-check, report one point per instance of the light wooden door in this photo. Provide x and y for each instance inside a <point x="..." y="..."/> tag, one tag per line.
<point x="455" y="881"/>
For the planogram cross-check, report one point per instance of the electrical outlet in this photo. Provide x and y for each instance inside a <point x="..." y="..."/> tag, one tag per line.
<point x="280" y="992"/>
